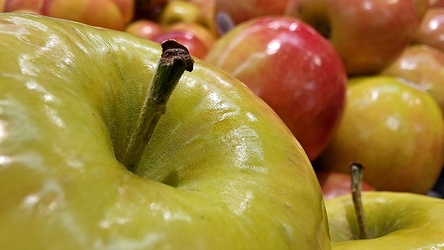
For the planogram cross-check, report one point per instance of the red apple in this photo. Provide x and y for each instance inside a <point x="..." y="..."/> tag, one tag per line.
<point x="335" y="184"/>
<point x="423" y="65"/>
<point x="196" y="47"/>
<point x="368" y="35"/>
<point x="144" y="28"/>
<point x="230" y="13"/>
<point x="395" y="130"/>
<point x="431" y="29"/>
<point x="292" y="68"/>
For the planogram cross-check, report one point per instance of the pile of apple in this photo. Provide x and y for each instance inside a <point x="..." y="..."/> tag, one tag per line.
<point x="299" y="56"/>
<point x="353" y="81"/>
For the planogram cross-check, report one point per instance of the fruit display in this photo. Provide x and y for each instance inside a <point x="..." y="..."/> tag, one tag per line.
<point x="215" y="124"/>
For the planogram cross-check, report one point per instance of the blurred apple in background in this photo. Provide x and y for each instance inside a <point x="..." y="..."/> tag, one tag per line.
<point x="112" y="14"/>
<point x="395" y="130"/>
<point x="196" y="47"/>
<point x="205" y="35"/>
<point x="293" y="69"/>
<point x="180" y="11"/>
<point x="194" y="36"/>
<point x="103" y="13"/>
<point x="334" y="184"/>
<point x="423" y="65"/>
<point x="23" y="5"/>
<point x="431" y="29"/>
<point x="184" y="22"/>
<point x="231" y="13"/>
<point x="368" y="35"/>
<point x="144" y="28"/>
<point x="207" y="8"/>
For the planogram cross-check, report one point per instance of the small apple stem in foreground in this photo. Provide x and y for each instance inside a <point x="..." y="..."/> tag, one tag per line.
<point x="175" y="59"/>
<point x="356" y="175"/>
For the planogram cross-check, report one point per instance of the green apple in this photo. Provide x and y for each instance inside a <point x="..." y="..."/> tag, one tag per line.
<point x="221" y="170"/>
<point x="394" y="220"/>
<point x="395" y="130"/>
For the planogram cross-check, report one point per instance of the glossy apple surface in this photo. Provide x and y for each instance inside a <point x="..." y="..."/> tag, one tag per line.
<point x="394" y="130"/>
<point x="423" y="65"/>
<point x="293" y="69"/>
<point x="221" y="171"/>
<point x="431" y="29"/>
<point x="335" y="184"/>
<point x="394" y="221"/>
<point x="367" y="34"/>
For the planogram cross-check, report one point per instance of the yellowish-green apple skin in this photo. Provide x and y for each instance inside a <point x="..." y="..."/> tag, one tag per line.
<point x="423" y="65"/>
<point x="394" y="130"/>
<point x="221" y="171"/>
<point x="394" y="220"/>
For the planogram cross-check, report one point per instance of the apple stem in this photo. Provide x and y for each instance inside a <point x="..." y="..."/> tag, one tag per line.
<point x="175" y="59"/>
<point x="356" y="176"/>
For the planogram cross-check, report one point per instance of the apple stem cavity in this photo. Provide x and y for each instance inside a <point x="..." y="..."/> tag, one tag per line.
<point x="174" y="61"/>
<point x="356" y="190"/>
